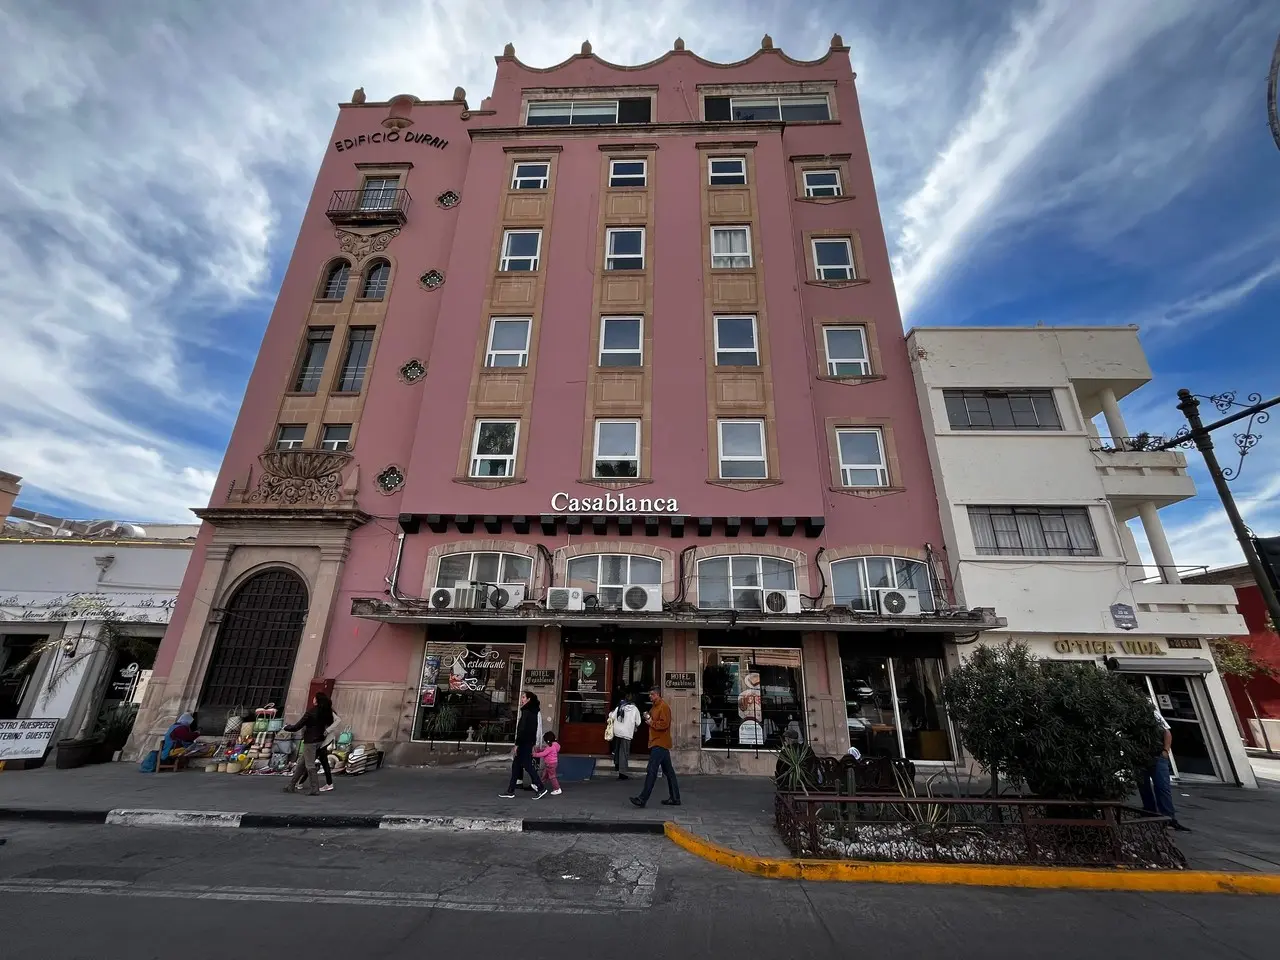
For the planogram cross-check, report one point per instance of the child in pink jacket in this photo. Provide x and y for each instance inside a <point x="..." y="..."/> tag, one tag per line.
<point x="550" y="757"/>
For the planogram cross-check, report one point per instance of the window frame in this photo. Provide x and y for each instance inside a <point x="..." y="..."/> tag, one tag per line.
<point x="760" y="588"/>
<point x="638" y="351"/>
<point x="601" y="586"/>
<point x="510" y="458"/>
<point x="851" y="268"/>
<point x="371" y="289"/>
<point x="609" y="234"/>
<point x="502" y="556"/>
<point x="755" y="339"/>
<point x="491" y="352"/>
<point x="331" y="290"/>
<point x="386" y="195"/>
<point x="280" y="443"/>
<point x="711" y="174"/>
<point x="643" y="174"/>
<point x="881" y="468"/>
<point x="721" y="459"/>
<point x="300" y="378"/>
<point x="928" y="603"/>
<point x="832" y="362"/>
<point x="543" y="181"/>
<point x="792" y="98"/>
<point x="504" y="263"/>
<point x="362" y="368"/>
<point x="750" y="257"/>
<point x="810" y="190"/>
<point x="572" y="106"/>
<point x="1031" y="394"/>
<point x="337" y="446"/>
<point x="597" y="459"/>
<point x="1063" y="513"/>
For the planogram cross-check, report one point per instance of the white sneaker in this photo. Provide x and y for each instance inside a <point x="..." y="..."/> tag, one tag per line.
<point x="507" y="796"/>
<point x="556" y="793"/>
<point x="326" y="788"/>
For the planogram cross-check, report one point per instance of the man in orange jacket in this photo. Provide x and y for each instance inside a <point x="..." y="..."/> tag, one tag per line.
<point x="659" y="720"/>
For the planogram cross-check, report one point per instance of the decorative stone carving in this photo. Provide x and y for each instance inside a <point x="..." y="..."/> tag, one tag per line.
<point x="509" y="50"/>
<point x="459" y="94"/>
<point x="361" y="245"/>
<point x="390" y="479"/>
<point x="679" y="43"/>
<point x="358" y="96"/>
<point x="766" y="43"/>
<point x="586" y="48"/>
<point x="413" y="371"/>
<point x="432" y="279"/>
<point x="300" y="477"/>
<point x="448" y="199"/>
<point x="837" y="41"/>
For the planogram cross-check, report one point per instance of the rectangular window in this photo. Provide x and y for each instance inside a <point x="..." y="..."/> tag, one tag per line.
<point x="493" y="450"/>
<point x="833" y="259"/>
<point x="846" y="351"/>
<point x="862" y="458"/>
<point x="752" y="699"/>
<point x="483" y="568"/>
<point x="736" y="344"/>
<point x="1001" y="410"/>
<point x="620" y="341"/>
<point x="791" y="109"/>
<point x="336" y="436"/>
<point x="359" y="346"/>
<point x="742" y="450"/>
<point x="738" y="582"/>
<point x="822" y="183"/>
<point x="1033" y="531"/>
<point x="508" y="342"/>
<point x="727" y="171"/>
<point x="589" y="112"/>
<point x="730" y="247"/>
<point x="469" y="692"/>
<point x="624" y="248"/>
<point x="531" y="176"/>
<point x="617" y="449"/>
<point x="520" y="250"/>
<point x="894" y="707"/>
<point x="379" y="193"/>
<point x="627" y="173"/>
<point x="290" y="436"/>
<point x="314" y="355"/>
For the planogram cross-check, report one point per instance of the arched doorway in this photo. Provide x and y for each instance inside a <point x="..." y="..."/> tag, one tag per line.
<point x="257" y="642"/>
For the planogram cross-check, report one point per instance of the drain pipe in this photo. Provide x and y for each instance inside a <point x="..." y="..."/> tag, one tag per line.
<point x="393" y="580"/>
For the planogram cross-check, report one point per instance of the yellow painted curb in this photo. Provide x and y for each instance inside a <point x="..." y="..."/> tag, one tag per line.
<point x="1044" y="878"/>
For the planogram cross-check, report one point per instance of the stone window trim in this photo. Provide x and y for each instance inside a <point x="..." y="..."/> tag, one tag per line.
<point x="937" y="568"/>
<point x="378" y="170"/>
<point x="368" y="268"/>
<point x="463" y="474"/>
<point x="747" y="548"/>
<point x="322" y="281"/>
<point x="859" y="260"/>
<point x="789" y="88"/>
<point x="533" y="152"/>
<point x="588" y="92"/>
<point x="623" y="151"/>
<point x="838" y="162"/>
<point x="229" y="588"/>
<point x="590" y="548"/>
<point x="871" y="334"/>
<point x="483" y="545"/>
<point x="888" y="443"/>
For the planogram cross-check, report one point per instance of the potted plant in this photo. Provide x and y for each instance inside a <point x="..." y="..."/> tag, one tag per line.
<point x="114" y="727"/>
<point x="75" y="752"/>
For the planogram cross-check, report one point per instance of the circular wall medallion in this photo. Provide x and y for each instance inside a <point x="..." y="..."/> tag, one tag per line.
<point x="391" y="479"/>
<point x="413" y="371"/>
<point x="432" y="279"/>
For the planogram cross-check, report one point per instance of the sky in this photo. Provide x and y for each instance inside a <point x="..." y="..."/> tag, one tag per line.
<point x="1036" y="161"/>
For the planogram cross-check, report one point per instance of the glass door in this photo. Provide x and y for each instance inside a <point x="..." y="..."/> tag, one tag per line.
<point x="584" y="705"/>
<point x="635" y="671"/>
<point x="1191" y="756"/>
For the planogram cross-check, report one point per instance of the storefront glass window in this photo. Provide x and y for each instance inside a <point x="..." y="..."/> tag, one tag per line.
<point x="483" y="568"/>
<point x="752" y="698"/>
<point x="469" y="692"/>
<point x="920" y="711"/>
<point x="738" y="583"/>
<point x="852" y="580"/>
<point x="868" y="693"/>
<point x="894" y="707"/>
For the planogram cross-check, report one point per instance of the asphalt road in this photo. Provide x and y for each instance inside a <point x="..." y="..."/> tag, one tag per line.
<point x="110" y="892"/>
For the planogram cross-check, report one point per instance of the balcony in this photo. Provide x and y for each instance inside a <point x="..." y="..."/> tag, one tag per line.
<point x="1188" y="609"/>
<point x="1132" y="473"/>
<point x="369" y="207"/>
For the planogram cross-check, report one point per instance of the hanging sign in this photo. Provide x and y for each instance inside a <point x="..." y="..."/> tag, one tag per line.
<point x="1123" y="617"/>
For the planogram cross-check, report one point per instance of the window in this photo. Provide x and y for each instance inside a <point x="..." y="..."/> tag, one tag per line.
<point x="483" y="568"/>
<point x="894" y="708"/>
<point x="493" y="451"/>
<point x="336" y="436"/>
<point x="508" y="342"/>
<point x="335" y="281"/>
<point x="739" y="582"/>
<point x="589" y="112"/>
<point x="520" y="249"/>
<point x="822" y="183"/>
<point x="736" y="342"/>
<point x="862" y="458"/>
<point x="290" y="436"/>
<point x="752" y="698"/>
<point x="379" y="193"/>
<point x="624" y="248"/>
<point x="620" y="339"/>
<point x="833" y="259"/>
<point x="1033" y="531"/>
<point x="469" y="691"/>
<point x="853" y="580"/>
<point x="727" y="171"/>
<point x="314" y="355"/>
<point x="790" y="109"/>
<point x="607" y="575"/>
<point x="617" y="451"/>
<point x="359" y="345"/>
<point x="627" y="173"/>
<point x="730" y="247"/>
<point x="1001" y="410"/>
<point x="375" y="281"/>
<point x="742" y="450"/>
<point x="846" y="351"/>
<point x="531" y="176"/>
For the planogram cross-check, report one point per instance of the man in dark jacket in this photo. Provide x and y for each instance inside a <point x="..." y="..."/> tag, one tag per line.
<point x="522" y="755"/>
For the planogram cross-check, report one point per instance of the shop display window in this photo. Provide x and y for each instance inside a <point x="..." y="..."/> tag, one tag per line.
<point x="469" y="692"/>
<point x="752" y="699"/>
<point x="893" y="707"/>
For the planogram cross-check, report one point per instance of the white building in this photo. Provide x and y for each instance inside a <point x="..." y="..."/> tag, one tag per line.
<point x="1035" y="506"/>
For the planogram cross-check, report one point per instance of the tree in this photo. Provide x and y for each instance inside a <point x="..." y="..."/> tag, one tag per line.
<point x="1068" y="731"/>
<point x="1235" y="658"/>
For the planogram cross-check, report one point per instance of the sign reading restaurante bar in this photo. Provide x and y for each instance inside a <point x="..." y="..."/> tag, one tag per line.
<point x="563" y="503"/>
<point x="391" y="136"/>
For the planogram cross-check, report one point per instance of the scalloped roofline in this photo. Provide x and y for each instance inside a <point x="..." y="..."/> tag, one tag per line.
<point x="766" y="47"/>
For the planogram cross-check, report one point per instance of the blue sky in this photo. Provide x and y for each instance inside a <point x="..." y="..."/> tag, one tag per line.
<point x="1054" y="161"/>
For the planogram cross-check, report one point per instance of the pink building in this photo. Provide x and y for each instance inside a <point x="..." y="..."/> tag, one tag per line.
<point x="600" y="385"/>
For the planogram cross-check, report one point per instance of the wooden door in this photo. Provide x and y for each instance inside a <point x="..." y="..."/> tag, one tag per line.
<point x="584" y="702"/>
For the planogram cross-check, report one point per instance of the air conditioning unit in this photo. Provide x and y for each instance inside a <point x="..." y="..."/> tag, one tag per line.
<point x="454" y="598"/>
<point x="564" y="598"/>
<point x="893" y="602"/>
<point x="781" y="601"/>
<point x="504" y="596"/>
<point x="642" y="599"/>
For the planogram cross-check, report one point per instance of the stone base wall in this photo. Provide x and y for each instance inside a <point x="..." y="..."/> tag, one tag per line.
<point x="378" y="713"/>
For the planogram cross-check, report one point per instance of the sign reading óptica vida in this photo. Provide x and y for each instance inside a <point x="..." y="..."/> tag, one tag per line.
<point x="26" y="739"/>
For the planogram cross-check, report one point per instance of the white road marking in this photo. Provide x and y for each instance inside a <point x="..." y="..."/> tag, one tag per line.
<point x="173" y="818"/>
<point x="462" y="824"/>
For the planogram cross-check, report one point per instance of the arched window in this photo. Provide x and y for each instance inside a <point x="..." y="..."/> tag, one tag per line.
<point x="375" y="281"/>
<point x="738" y="582"/>
<point x="607" y="575"/>
<point x="335" y="281"/>
<point x="253" y="656"/>
<point x="853" y="580"/>
<point x="483" y="568"/>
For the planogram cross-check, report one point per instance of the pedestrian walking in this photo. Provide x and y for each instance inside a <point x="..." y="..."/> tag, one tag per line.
<point x="549" y="754"/>
<point x="1156" y="785"/>
<point x="659" y="720"/>
<point x="522" y="752"/>
<point x="314" y="725"/>
<point x="525" y="782"/>
<point x="626" y="720"/>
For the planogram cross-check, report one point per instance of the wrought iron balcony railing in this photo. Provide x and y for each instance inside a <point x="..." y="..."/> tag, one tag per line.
<point x="369" y="206"/>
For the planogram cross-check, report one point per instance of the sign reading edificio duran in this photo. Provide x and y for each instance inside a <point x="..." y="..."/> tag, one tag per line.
<point x="561" y="502"/>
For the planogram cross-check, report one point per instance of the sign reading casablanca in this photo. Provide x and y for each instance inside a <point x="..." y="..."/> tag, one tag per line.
<point x="46" y="606"/>
<point x="563" y="503"/>
<point x="391" y="136"/>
